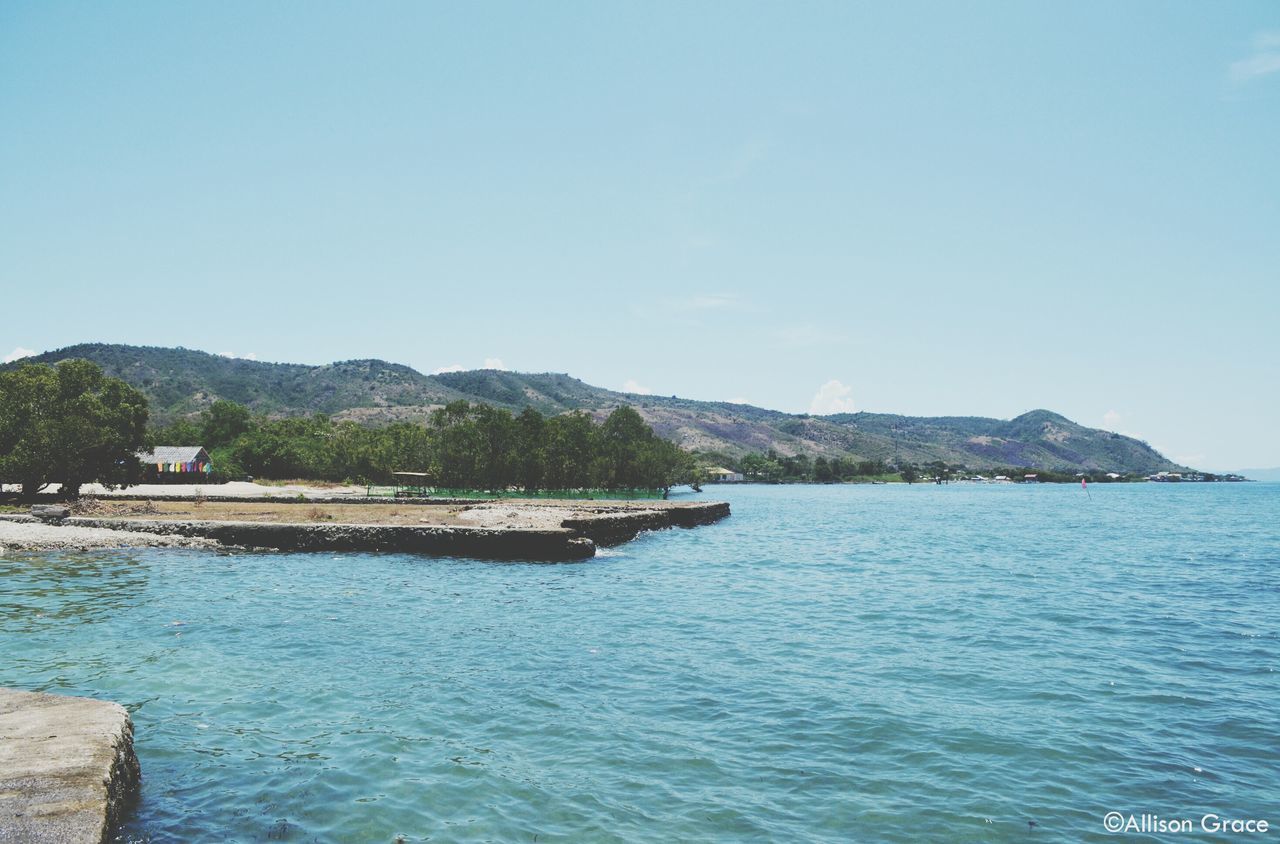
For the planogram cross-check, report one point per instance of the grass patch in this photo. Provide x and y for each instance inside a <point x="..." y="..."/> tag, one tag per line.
<point x="887" y="477"/>
<point x="299" y="482"/>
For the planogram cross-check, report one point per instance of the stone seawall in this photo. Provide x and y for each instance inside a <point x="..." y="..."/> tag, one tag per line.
<point x="551" y="532"/>
<point x="68" y="773"/>
<point x="550" y="545"/>
<point x="614" y="528"/>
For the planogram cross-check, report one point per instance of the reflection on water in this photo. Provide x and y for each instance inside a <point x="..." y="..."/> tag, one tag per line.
<point x="831" y="663"/>
<point x="72" y="587"/>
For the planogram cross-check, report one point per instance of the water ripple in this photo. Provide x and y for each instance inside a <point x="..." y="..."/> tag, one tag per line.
<point x="830" y="664"/>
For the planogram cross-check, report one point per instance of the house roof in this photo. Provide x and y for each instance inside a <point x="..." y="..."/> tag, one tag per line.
<point x="172" y="454"/>
<point x="720" y="470"/>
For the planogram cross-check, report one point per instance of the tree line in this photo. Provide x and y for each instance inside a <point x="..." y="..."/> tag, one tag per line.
<point x="771" y="467"/>
<point x="462" y="446"/>
<point x="72" y="425"/>
<point x="68" y="425"/>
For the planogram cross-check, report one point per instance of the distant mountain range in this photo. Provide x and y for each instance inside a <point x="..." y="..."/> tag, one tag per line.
<point x="181" y="382"/>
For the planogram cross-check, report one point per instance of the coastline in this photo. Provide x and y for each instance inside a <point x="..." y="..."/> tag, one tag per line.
<point x="506" y="530"/>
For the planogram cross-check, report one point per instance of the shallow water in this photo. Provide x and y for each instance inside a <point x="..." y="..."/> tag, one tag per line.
<point x="829" y="664"/>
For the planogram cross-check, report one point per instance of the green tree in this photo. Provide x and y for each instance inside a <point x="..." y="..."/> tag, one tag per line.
<point x="456" y="462"/>
<point x="531" y="448"/>
<point x="179" y="432"/>
<point x="624" y="439"/>
<point x="222" y="423"/>
<point x="664" y="464"/>
<point x="762" y="467"/>
<point x="571" y="450"/>
<point x="285" y="448"/>
<point x="403" y="447"/>
<point x="69" y="425"/>
<point x="496" y="438"/>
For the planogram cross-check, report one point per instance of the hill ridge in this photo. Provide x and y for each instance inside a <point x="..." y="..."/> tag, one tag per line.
<point x="181" y="382"/>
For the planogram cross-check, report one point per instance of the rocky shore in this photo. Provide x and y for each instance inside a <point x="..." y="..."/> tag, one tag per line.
<point x="505" y="530"/>
<point x="24" y="533"/>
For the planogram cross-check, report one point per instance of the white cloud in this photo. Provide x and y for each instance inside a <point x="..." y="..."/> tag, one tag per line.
<point x="1264" y="61"/>
<point x="1113" y="421"/>
<point x="633" y="386"/>
<point x="245" y="356"/>
<point x="489" y="363"/>
<point x="18" y="354"/>
<point x="1259" y="64"/>
<point x="832" y="397"/>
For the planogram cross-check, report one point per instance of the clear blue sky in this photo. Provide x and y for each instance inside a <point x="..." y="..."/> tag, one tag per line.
<point x="945" y="208"/>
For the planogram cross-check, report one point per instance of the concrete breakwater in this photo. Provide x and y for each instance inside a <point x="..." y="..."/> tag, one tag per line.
<point x="614" y="527"/>
<point x="512" y="531"/>
<point x="552" y="545"/>
<point x="68" y="772"/>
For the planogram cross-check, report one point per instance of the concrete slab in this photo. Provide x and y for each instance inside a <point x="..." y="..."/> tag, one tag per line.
<point x="68" y="772"/>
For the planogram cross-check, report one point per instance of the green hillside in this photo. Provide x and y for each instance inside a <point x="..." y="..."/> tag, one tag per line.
<point x="181" y="382"/>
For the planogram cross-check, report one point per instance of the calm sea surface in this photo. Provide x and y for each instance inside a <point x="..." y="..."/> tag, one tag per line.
<point x="829" y="664"/>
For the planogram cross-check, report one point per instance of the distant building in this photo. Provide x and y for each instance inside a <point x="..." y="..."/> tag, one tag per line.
<point x="720" y="475"/>
<point x="176" y="464"/>
<point x="1031" y="479"/>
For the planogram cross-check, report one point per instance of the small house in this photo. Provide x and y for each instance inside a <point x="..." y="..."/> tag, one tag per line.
<point x="720" y="475"/>
<point x="176" y="464"/>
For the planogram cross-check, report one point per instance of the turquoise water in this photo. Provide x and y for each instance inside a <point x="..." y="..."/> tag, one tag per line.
<point x="829" y="664"/>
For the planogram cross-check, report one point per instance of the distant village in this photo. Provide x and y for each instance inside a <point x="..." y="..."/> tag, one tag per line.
<point x="178" y="464"/>
<point x="1195" y="477"/>
<point x="721" y="475"/>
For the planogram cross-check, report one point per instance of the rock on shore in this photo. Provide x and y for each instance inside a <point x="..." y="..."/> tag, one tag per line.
<point x="32" y="535"/>
<point x="67" y="768"/>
